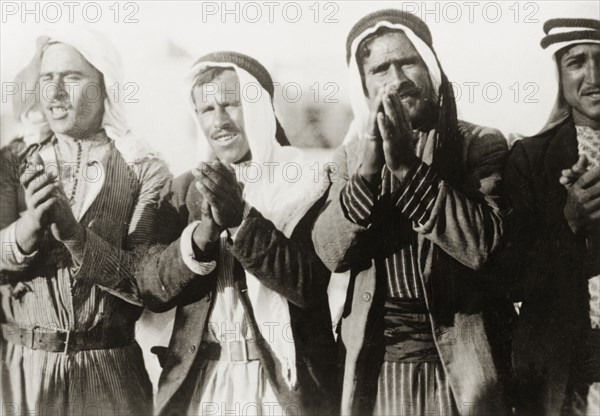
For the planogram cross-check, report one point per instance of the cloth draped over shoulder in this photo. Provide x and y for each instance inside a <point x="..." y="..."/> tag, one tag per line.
<point x="281" y="197"/>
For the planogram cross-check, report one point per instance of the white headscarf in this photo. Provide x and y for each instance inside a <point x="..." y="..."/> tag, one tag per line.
<point x="561" y="110"/>
<point x="338" y="286"/>
<point x="359" y="102"/>
<point x="100" y="53"/>
<point x="282" y="201"/>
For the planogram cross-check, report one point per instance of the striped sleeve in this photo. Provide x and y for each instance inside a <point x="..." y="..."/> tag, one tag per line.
<point x="417" y="194"/>
<point x="113" y="268"/>
<point x="187" y="252"/>
<point x="358" y="200"/>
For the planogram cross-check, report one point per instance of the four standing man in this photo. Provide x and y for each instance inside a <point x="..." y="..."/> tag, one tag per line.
<point x="407" y="224"/>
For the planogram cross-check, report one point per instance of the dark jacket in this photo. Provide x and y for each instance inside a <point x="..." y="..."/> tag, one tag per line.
<point x="549" y="266"/>
<point x="465" y="226"/>
<point x="288" y="266"/>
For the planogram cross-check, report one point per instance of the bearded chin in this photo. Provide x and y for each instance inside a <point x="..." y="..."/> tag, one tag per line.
<point x="425" y="115"/>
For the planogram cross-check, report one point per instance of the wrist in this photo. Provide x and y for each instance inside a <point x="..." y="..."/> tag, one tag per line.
<point x="204" y="239"/>
<point x="402" y="171"/>
<point x="28" y="233"/>
<point x="75" y="239"/>
<point x="372" y="177"/>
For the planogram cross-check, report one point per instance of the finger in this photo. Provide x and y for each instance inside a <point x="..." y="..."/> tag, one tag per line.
<point x="590" y="193"/>
<point x="40" y="181"/>
<point x="399" y="110"/>
<point x="219" y="169"/>
<point x="43" y="194"/>
<point x="207" y="194"/>
<point x="383" y="128"/>
<point x="205" y="208"/>
<point x="404" y="116"/>
<point x="375" y="107"/>
<point x="31" y="172"/>
<point x="592" y="205"/>
<point x="390" y="112"/>
<point x="45" y="206"/>
<point x="569" y="173"/>
<point x="581" y="165"/>
<point x="565" y="180"/>
<point x="589" y="178"/>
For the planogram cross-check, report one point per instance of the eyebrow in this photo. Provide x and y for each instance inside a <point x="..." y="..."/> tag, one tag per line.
<point x="65" y="73"/>
<point x="410" y="59"/>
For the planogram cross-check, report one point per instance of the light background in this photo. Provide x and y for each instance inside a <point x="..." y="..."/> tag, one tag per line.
<point x="474" y="43"/>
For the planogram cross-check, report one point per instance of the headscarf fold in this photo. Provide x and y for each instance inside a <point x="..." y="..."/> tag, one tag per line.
<point x="561" y="34"/>
<point x="280" y="196"/>
<point x="101" y="54"/>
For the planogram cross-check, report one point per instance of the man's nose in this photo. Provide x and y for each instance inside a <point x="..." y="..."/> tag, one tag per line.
<point x="56" y="90"/>
<point x="221" y="120"/>
<point x="592" y="73"/>
<point x="397" y="75"/>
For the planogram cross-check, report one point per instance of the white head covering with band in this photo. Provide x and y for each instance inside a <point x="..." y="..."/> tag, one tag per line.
<point x="359" y="102"/>
<point x="279" y="197"/>
<point x="100" y="53"/>
<point x="559" y="37"/>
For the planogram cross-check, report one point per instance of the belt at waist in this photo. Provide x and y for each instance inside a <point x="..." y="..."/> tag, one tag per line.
<point x="67" y="341"/>
<point x="232" y="351"/>
<point x="408" y="333"/>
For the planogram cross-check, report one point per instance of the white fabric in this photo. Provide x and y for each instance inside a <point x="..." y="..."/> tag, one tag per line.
<point x="202" y="268"/>
<point x="13" y="259"/>
<point x="281" y="201"/>
<point x="240" y="388"/>
<point x="360" y="106"/>
<point x="99" y="52"/>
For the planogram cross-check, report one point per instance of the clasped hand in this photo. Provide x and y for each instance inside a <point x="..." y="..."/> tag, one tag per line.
<point x="389" y="137"/>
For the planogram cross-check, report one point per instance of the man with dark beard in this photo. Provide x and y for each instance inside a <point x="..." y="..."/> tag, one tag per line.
<point x="412" y="215"/>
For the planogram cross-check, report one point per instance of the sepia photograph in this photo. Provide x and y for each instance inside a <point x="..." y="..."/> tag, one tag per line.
<point x="297" y="208"/>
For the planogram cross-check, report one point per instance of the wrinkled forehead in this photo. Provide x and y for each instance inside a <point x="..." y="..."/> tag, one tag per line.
<point x="60" y="58"/>
<point x="583" y="48"/>
<point x="221" y="84"/>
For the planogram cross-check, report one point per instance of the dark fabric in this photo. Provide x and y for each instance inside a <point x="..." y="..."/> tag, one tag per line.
<point x="589" y="356"/>
<point x="548" y="266"/>
<point x="468" y="315"/>
<point x="395" y="16"/>
<point x="409" y="389"/>
<point x="67" y="341"/>
<point x="101" y="295"/>
<point x="408" y="336"/>
<point x="245" y="62"/>
<point x="583" y="29"/>
<point x="288" y="266"/>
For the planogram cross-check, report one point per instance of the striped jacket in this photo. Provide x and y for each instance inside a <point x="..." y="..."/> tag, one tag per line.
<point x="457" y="230"/>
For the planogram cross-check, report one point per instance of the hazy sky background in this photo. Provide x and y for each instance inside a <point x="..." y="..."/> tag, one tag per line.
<point x="490" y="50"/>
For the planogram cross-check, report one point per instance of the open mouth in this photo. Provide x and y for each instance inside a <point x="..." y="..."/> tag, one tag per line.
<point x="58" y="112"/>
<point x="225" y="139"/>
<point x="593" y="94"/>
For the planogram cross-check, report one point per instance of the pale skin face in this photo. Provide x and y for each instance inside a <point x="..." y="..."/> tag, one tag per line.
<point x="219" y="112"/>
<point x="72" y="92"/>
<point x="394" y="63"/>
<point x="580" y="82"/>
